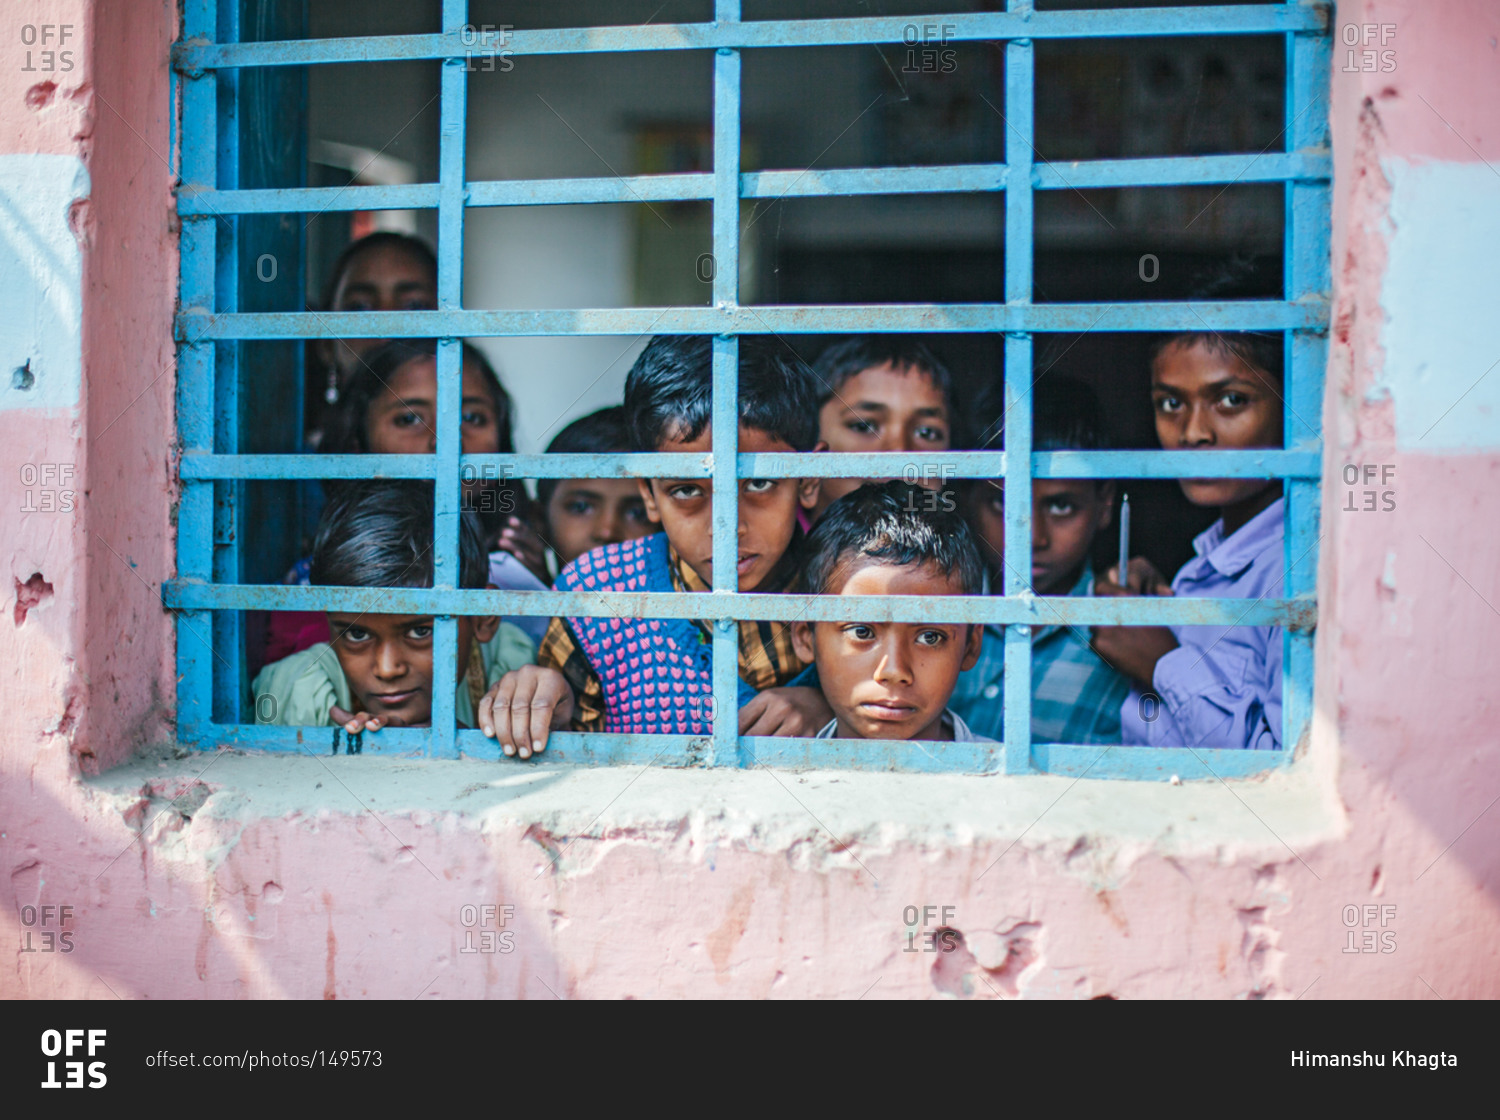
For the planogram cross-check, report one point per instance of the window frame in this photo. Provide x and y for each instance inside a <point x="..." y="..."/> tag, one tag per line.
<point x="209" y="655"/>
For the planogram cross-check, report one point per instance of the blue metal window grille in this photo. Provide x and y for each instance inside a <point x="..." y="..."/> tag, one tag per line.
<point x="209" y="692"/>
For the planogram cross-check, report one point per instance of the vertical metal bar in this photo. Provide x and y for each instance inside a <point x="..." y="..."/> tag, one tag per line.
<point x="1307" y="272"/>
<point x="195" y="386"/>
<point x="447" y="484"/>
<point x="1019" y="116"/>
<point x="725" y="422"/>
<point x="229" y="496"/>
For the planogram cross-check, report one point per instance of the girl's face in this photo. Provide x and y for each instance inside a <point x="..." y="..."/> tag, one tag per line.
<point x="1204" y="399"/>
<point x="584" y="513"/>
<point x="403" y="419"/>
<point x="384" y="278"/>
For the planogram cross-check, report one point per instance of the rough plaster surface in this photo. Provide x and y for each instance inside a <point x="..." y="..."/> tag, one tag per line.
<point x="238" y="875"/>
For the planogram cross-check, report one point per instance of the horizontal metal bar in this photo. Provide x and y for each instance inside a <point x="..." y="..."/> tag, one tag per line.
<point x="1296" y="463"/>
<point x="1183" y="171"/>
<point x="567" y="748"/>
<point x="810" y="183"/>
<point x="946" y="465"/>
<point x="197" y="466"/>
<point x="195" y="201"/>
<point x="306" y="740"/>
<point x="1300" y="614"/>
<point x="606" y="749"/>
<point x="1153" y="763"/>
<point x="845" y="182"/>
<point x="192" y="55"/>
<point x="196" y="324"/>
<point x="620" y="188"/>
<point x="940" y="465"/>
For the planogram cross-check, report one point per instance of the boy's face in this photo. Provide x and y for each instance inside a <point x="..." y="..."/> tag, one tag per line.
<point x="387" y="660"/>
<point x="768" y="509"/>
<point x="584" y="513"/>
<point x="883" y="409"/>
<point x="890" y="680"/>
<point x="1203" y="399"/>
<point x="1065" y="515"/>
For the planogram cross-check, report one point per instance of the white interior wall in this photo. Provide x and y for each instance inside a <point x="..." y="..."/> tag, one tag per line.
<point x="553" y="117"/>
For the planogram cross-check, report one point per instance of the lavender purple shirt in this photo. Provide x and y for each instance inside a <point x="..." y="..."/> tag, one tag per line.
<point x="1221" y="688"/>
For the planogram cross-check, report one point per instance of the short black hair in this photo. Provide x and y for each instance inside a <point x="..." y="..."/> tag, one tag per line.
<point x="849" y="357"/>
<point x="598" y="433"/>
<point x="379" y="534"/>
<point x="381" y="239"/>
<point x="1238" y="277"/>
<point x="1065" y="415"/>
<point x="897" y="524"/>
<point x="669" y="392"/>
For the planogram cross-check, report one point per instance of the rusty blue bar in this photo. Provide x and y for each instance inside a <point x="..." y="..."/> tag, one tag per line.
<point x="194" y="54"/>
<point x="195" y="381"/>
<point x="1020" y="80"/>
<point x="903" y="318"/>
<point x="812" y="464"/>
<point x="725" y="420"/>
<point x="569" y="749"/>
<point x="1249" y="167"/>
<point x="1306" y="275"/>
<point x="447" y="487"/>
<point x="1026" y="610"/>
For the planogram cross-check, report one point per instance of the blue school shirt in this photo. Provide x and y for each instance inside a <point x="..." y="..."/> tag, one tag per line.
<point x="1222" y="686"/>
<point x="1075" y="696"/>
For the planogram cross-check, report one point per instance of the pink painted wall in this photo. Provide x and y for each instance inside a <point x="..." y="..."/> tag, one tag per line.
<point x="236" y="875"/>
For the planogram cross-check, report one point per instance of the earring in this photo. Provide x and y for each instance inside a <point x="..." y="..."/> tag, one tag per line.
<point x="331" y="394"/>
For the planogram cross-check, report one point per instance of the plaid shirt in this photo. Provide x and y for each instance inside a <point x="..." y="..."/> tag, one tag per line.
<point x="1075" y="696"/>
<point x="766" y="656"/>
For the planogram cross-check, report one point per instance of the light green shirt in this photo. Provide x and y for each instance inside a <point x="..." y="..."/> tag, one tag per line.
<point x="301" y="688"/>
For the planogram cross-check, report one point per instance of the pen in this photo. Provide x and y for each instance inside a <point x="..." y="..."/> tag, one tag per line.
<point x="1124" y="538"/>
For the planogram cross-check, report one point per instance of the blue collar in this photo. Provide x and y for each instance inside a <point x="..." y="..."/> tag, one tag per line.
<point x="1229" y="556"/>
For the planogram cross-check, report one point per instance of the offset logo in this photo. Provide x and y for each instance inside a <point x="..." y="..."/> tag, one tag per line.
<point x="929" y="929"/>
<point x="73" y="1045"/>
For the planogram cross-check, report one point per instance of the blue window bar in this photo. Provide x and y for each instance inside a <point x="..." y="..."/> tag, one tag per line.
<point x="212" y="706"/>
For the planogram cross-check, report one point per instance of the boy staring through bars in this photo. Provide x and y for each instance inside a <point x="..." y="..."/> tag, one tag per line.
<point x="881" y="393"/>
<point x="1211" y="686"/>
<point x="891" y="680"/>
<point x="1075" y="695"/>
<point x="377" y="671"/>
<point x="655" y="676"/>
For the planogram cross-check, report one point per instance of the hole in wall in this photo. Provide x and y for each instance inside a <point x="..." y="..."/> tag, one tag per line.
<point x="30" y="594"/>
